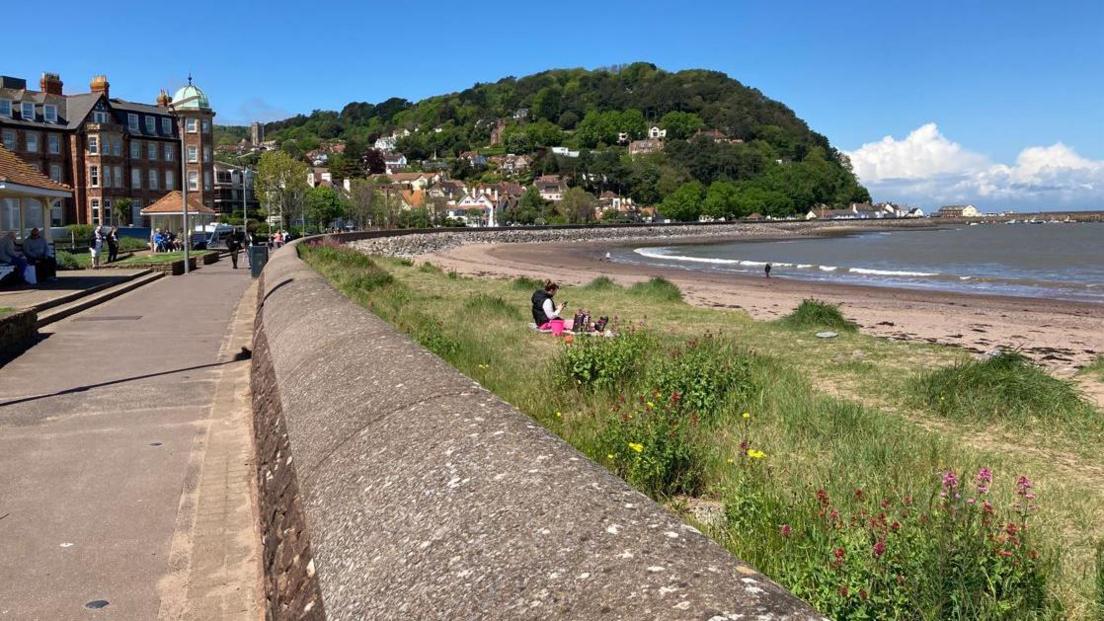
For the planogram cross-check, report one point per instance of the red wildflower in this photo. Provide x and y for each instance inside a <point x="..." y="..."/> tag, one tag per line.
<point x="879" y="549"/>
<point x="786" y="530"/>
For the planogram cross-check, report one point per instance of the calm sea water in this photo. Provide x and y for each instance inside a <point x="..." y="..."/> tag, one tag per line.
<point x="1061" y="261"/>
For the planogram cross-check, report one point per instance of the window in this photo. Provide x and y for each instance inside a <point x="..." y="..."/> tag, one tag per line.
<point x="168" y="153"/>
<point x="132" y="121"/>
<point x="99" y="116"/>
<point x="56" y="213"/>
<point x="136" y="211"/>
<point x="49" y="112"/>
<point x="190" y="126"/>
<point x="55" y="172"/>
<point x="206" y="126"/>
<point x="207" y="180"/>
<point x="95" y="210"/>
<point x="93" y="144"/>
<point x="107" y="210"/>
<point x="28" y="111"/>
<point x="207" y="154"/>
<point x="5" y="107"/>
<point x="151" y="125"/>
<point x="119" y="177"/>
<point x="166" y="126"/>
<point x="9" y="139"/>
<point x="53" y="143"/>
<point x="117" y="146"/>
<point x="193" y="154"/>
<point x="170" y="180"/>
<point x="193" y="180"/>
<point x="135" y="178"/>
<point x="31" y="141"/>
<point x="94" y="176"/>
<point x="151" y="150"/>
<point x="153" y="179"/>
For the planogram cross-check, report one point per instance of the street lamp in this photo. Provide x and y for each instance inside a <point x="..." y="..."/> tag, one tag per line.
<point x="184" y="174"/>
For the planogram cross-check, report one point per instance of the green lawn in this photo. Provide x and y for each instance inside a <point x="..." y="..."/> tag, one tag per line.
<point x="825" y="460"/>
<point x="157" y="258"/>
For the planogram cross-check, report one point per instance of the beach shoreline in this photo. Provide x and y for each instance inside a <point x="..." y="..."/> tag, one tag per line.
<point x="1061" y="335"/>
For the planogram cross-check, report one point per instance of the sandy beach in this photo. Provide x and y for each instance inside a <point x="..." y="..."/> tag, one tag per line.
<point x="1061" y="335"/>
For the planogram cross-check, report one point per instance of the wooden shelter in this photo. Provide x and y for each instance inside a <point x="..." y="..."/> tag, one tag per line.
<point x="26" y="196"/>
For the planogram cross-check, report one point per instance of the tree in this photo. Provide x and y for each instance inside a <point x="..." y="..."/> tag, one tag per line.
<point x="722" y="200"/>
<point x="578" y="206"/>
<point x="373" y="162"/>
<point x="281" y="185"/>
<point x="324" y="205"/>
<point x="681" y="125"/>
<point x="121" y="214"/>
<point x="529" y="208"/>
<point x="362" y="199"/>
<point x="684" y="204"/>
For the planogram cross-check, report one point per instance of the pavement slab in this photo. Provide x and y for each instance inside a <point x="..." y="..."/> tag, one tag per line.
<point x="108" y="473"/>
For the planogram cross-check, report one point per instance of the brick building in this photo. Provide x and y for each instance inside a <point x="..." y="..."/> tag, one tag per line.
<point x="107" y="148"/>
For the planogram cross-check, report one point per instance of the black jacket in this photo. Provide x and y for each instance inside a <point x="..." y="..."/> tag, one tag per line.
<point x="538" y="307"/>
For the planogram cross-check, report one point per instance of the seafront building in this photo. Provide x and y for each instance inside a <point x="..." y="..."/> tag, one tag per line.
<point x="107" y="148"/>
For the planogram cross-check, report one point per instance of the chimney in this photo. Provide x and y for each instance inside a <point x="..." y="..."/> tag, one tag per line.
<point x="163" y="99"/>
<point x="100" y="85"/>
<point x="50" y="84"/>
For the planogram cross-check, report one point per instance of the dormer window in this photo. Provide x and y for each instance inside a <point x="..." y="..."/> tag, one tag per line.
<point x="151" y="125"/>
<point x="132" y="121"/>
<point x="5" y="107"/>
<point x="28" y="111"/>
<point x="49" y="112"/>
<point x="99" y="117"/>
<point x="166" y="126"/>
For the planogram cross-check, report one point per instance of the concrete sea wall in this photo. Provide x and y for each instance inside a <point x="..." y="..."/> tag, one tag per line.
<point x="394" y="487"/>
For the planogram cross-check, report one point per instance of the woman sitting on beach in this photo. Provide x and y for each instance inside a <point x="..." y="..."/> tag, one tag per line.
<point x="545" y="310"/>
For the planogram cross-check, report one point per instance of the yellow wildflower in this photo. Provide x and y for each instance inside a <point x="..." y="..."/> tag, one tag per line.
<point x="747" y="415"/>
<point x="557" y="414"/>
<point x="609" y="455"/>
<point x="651" y="405"/>
<point x="636" y="446"/>
<point x="756" y="454"/>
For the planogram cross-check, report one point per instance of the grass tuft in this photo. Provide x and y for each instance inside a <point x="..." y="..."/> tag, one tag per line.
<point x="812" y="313"/>
<point x="658" y="289"/>
<point x="525" y="283"/>
<point x="429" y="268"/>
<point x="1007" y="386"/>
<point x="1096" y="367"/>
<point x="601" y="283"/>
<point x="482" y="305"/>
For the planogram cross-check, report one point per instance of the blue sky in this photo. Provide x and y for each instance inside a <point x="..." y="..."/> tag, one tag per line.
<point x="995" y="78"/>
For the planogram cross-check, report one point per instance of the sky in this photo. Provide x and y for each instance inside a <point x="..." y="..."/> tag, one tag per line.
<point x="996" y="103"/>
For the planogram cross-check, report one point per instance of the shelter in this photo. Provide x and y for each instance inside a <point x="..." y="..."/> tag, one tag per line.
<point x="26" y="196"/>
<point x="167" y="212"/>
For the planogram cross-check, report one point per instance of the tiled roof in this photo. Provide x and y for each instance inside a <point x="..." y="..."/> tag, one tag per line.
<point x="173" y="203"/>
<point x="16" y="171"/>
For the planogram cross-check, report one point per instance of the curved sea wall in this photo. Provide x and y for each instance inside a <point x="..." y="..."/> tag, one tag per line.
<point x="394" y="487"/>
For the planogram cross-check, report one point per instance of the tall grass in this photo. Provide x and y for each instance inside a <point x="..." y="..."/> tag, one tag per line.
<point x="657" y="289"/>
<point x="812" y="313"/>
<point x="525" y="283"/>
<point x="1096" y="368"/>
<point x="601" y="283"/>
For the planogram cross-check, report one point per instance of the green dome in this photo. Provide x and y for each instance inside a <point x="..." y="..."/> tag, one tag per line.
<point x="192" y="98"/>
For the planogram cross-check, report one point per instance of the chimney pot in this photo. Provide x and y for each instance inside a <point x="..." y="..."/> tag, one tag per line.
<point x="50" y="83"/>
<point x="100" y="85"/>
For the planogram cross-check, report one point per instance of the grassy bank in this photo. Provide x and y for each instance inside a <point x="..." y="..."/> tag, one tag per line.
<point x="817" y="460"/>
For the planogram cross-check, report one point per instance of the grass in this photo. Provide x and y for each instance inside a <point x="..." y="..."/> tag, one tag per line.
<point x="813" y="313"/>
<point x="1096" y="368"/>
<point x="158" y="258"/>
<point x="836" y="415"/>
<point x="1006" y="387"/>
<point x="601" y="283"/>
<point x="73" y="260"/>
<point x="6" y="310"/>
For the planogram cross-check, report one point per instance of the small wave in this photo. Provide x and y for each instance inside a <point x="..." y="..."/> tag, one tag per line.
<point x="873" y="272"/>
<point x="804" y="266"/>
<point x="827" y="268"/>
<point x="661" y="253"/>
<point x="965" y="277"/>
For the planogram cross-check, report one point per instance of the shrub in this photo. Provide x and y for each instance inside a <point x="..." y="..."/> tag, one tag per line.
<point x="1096" y="367"/>
<point x="657" y="289"/>
<point x="812" y="313"/>
<point x="706" y="375"/>
<point x="69" y="261"/>
<point x="405" y="262"/>
<point x="81" y="232"/>
<point x="601" y="283"/>
<point x="526" y="283"/>
<point x="1005" y="386"/>
<point x="658" y="447"/>
<point x="429" y="268"/>
<point x="482" y="305"/>
<point x="602" y="363"/>
<point x="958" y="554"/>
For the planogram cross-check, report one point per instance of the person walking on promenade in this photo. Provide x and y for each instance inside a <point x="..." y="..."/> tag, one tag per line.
<point x="233" y="245"/>
<point x="113" y="244"/>
<point x="95" y="245"/>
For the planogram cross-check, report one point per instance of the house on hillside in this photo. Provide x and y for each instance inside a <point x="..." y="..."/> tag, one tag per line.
<point x="957" y="211"/>
<point x="655" y="133"/>
<point x="608" y="201"/>
<point x="474" y="159"/>
<point x="515" y="163"/>
<point x="319" y="176"/>
<point x="394" y="162"/>
<point x="551" y="187"/>
<point x="412" y="199"/>
<point x="475" y="202"/>
<point x="414" y="180"/>
<point x="385" y="143"/>
<point x="915" y="212"/>
<point x="564" y="152"/>
<point x="643" y="147"/>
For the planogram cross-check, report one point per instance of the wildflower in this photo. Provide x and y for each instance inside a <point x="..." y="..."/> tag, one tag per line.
<point x="950" y="485"/>
<point x="747" y="415"/>
<point x="895" y="526"/>
<point x="844" y="591"/>
<point x="838" y="555"/>
<point x="785" y="530"/>
<point x="731" y="461"/>
<point x="558" y="415"/>
<point x="862" y="594"/>
<point x="745" y="445"/>
<point x="609" y="455"/>
<point x="983" y="479"/>
<point x="858" y="494"/>
<point x="636" y="446"/>
<point x="1023" y="488"/>
<point x="650" y="405"/>
<point x="756" y="454"/>
<point x="879" y="549"/>
<point x="676" y="396"/>
<point x="822" y="497"/>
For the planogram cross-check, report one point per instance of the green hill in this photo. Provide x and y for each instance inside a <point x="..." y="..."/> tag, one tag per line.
<point x="729" y="149"/>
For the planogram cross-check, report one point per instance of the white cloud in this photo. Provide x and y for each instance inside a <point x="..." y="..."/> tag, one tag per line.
<point x="929" y="169"/>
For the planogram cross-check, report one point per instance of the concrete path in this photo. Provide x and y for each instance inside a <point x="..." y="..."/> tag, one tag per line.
<point x="124" y="459"/>
<point x="67" y="284"/>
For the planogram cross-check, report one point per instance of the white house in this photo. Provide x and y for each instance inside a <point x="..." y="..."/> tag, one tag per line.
<point x="385" y="143"/>
<point x="564" y="151"/>
<point x="475" y="201"/>
<point x="655" y="133"/>
<point x="394" y="162"/>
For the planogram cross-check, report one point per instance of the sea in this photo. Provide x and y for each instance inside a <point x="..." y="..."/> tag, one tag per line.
<point x="1046" y="260"/>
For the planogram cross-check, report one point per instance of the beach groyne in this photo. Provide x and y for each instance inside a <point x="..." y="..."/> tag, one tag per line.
<point x="393" y="486"/>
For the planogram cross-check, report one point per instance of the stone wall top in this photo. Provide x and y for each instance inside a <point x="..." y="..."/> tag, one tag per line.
<point x="427" y="497"/>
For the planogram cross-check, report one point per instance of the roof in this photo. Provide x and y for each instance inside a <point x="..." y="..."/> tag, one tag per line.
<point x="14" y="171"/>
<point x="173" y="202"/>
<point x="414" y="198"/>
<point x="191" y="97"/>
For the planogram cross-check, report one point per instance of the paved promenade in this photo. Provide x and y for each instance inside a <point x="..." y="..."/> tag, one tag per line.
<point x="124" y="459"/>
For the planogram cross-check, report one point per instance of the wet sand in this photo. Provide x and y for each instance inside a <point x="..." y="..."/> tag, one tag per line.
<point x="1060" y="335"/>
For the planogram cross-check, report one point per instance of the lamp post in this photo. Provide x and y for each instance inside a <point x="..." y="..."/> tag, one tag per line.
<point x="184" y="173"/>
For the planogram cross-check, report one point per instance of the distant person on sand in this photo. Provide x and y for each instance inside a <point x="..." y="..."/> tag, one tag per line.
<point x="545" y="310"/>
<point x="767" y="269"/>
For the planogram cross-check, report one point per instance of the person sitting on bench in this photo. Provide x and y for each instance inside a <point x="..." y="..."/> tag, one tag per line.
<point x="9" y="256"/>
<point x="37" y="252"/>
